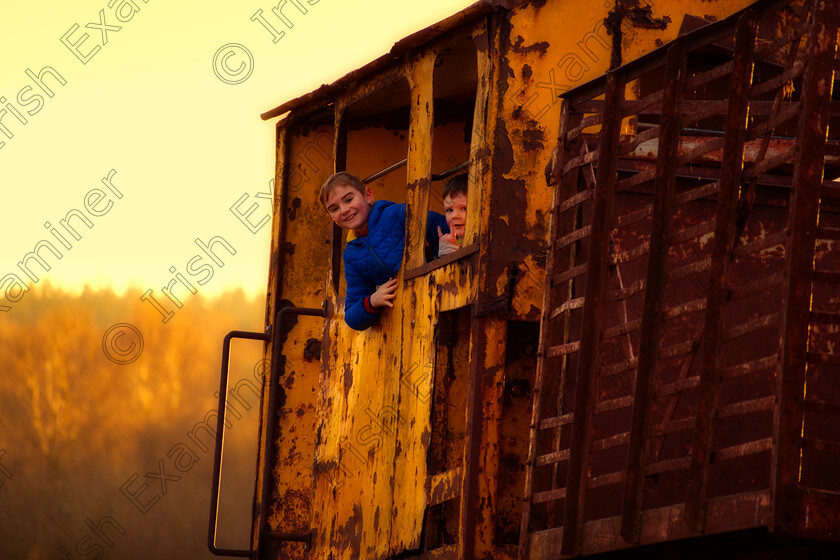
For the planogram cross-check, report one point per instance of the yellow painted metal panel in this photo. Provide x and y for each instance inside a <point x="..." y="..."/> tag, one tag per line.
<point x="298" y="278"/>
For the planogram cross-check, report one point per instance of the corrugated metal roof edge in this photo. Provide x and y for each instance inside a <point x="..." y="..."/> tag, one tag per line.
<point x="401" y="47"/>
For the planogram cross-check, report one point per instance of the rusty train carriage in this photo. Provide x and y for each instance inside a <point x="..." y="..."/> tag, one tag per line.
<point x="637" y="342"/>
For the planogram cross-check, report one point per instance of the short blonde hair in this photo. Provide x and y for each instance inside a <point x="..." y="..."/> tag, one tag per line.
<point x="337" y="179"/>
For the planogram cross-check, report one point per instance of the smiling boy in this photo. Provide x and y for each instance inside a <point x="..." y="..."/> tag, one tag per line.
<point x="373" y="255"/>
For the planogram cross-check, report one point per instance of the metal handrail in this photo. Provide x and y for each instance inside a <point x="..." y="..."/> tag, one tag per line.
<point x="279" y="323"/>
<point x="220" y="436"/>
<point x="439" y="177"/>
<point x="385" y="171"/>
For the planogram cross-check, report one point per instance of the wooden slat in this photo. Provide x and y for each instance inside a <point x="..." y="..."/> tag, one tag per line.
<point x="750" y="288"/>
<point x="692" y="232"/>
<point x="631" y="255"/>
<point x="623" y="328"/>
<point x="790" y="110"/>
<point x="677" y="386"/>
<point x="769" y="163"/>
<point x="555" y="457"/>
<point x="750" y="448"/>
<point x="678" y="349"/>
<point x="548" y="496"/>
<point x="689" y="269"/>
<point x="575" y="200"/>
<point x="611" y="441"/>
<point x="697" y="193"/>
<point x="616" y="368"/>
<point x="563" y="349"/>
<point x="605" y="480"/>
<point x="749" y="367"/>
<point x="751" y="326"/>
<point x="702" y="148"/>
<point x="766" y="242"/>
<point x="625" y="293"/>
<point x="567" y="275"/>
<point x="639" y="178"/>
<point x="745" y="407"/>
<point x="634" y="217"/>
<point x="669" y="465"/>
<point x="688" y="307"/>
<point x="555" y="421"/>
<point x="672" y="426"/>
<point x="576" y="235"/>
<point x="576" y="303"/>
<point x="778" y="81"/>
<point x="614" y="404"/>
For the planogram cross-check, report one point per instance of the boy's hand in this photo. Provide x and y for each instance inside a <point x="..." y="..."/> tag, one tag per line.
<point x="384" y="296"/>
<point x="448" y="237"/>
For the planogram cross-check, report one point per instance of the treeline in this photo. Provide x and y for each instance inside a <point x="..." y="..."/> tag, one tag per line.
<point x="102" y="459"/>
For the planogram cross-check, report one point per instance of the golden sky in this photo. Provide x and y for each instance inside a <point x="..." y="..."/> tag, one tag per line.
<point x="162" y="100"/>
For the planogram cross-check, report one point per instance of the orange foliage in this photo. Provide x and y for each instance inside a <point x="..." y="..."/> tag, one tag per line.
<point x="76" y="425"/>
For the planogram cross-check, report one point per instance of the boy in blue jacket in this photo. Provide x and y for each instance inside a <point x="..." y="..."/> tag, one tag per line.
<point x="373" y="257"/>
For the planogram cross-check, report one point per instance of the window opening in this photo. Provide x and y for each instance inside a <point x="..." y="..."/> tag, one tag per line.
<point x="377" y="139"/>
<point x="455" y="82"/>
<point x="373" y="136"/>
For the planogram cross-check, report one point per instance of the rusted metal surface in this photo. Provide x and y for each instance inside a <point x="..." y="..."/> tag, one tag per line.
<point x="701" y="385"/>
<point x="805" y="206"/>
<point x="586" y="390"/>
<point x="724" y="242"/>
<point x="652" y="317"/>
<point x="410" y="439"/>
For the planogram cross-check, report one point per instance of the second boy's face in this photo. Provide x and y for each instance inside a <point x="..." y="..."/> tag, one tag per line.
<point x="455" y="210"/>
<point x="349" y="208"/>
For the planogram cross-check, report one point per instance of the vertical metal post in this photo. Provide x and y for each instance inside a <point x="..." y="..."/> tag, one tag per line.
<point x="730" y="180"/>
<point x="652" y="318"/>
<point x="567" y="121"/>
<point x="589" y="363"/>
<point x="807" y="178"/>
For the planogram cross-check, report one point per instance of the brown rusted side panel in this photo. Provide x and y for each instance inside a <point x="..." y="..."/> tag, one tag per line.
<point x="740" y="84"/>
<point x="680" y="334"/>
<point x="652" y="319"/>
<point x="586" y="390"/>
<point x="805" y="205"/>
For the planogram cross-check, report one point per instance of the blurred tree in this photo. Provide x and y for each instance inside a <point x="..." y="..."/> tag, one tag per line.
<point x="77" y="425"/>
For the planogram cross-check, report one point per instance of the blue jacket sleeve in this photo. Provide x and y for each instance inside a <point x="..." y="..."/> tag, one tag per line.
<point x="359" y="288"/>
<point x="433" y="221"/>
